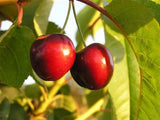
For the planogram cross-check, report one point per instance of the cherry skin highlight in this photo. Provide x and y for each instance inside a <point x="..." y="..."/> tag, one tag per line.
<point x="52" y="56"/>
<point x="93" y="67"/>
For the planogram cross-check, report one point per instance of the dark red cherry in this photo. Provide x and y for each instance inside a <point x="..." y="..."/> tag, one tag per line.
<point x="52" y="56"/>
<point x="93" y="67"/>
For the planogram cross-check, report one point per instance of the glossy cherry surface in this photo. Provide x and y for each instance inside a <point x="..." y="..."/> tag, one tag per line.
<point x="52" y="56"/>
<point x="93" y="67"/>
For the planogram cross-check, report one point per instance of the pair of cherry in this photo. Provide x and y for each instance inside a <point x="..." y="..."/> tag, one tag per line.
<point x="54" y="55"/>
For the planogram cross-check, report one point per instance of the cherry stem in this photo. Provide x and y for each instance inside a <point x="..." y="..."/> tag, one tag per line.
<point x="79" y="29"/>
<point x="20" y="14"/>
<point x="65" y="23"/>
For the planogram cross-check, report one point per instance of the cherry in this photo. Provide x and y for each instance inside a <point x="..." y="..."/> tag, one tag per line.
<point x="52" y="56"/>
<point x="93" y="67"/>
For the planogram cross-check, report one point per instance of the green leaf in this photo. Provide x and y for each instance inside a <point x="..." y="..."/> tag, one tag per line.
<point x="41" y="16"/>
<point x="17" y="112"/>
<point x="86" y="19"/>
<point x="14" y="55"/>
<point x="4" y="109"/>
<point x="53" y="28"/>
<point x="2" y="32"/>
<point x="109" y="111"/>
<point x="13" y="111"/>
<point x="8" y="12"/>
<point x="143" y="32"/>
<point x="96" y="95"/>
<point x="8" y="92"/>
<point x="29" y="13"/>
<point x="65" y="89"/>
<point x="62" y="114"/>
<point x="66" y="102"/>
<point x="32" y="91"/>
<point x="153" y="6"/>
<point x="124" y="85"/>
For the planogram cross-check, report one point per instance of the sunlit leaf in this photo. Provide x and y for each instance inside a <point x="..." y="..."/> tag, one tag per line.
<point x="124" y="84"/>
<point x="29" y="13"/>
<point x="41" y="16"/>
<point x="143" y="32"/>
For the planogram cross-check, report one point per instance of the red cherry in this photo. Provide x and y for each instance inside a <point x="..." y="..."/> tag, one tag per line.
<point x="93" y="67"/>
<point x="52" y="56"/>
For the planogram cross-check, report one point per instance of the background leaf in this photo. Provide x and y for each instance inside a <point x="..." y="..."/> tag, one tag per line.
<point x="108" y="111"/>
<point x="17" y="112"/>
<point x="41" y="16"/>
<point x="8" y="92"/>
<point x="10" y="111"/>
<point x="66" y="102"/>
<point x="32" y="91"/>
<point x="62" y="114"/>
<point x="29" y="13"/>
<point x="14" y="55"/>
<point x="4" y="109"/>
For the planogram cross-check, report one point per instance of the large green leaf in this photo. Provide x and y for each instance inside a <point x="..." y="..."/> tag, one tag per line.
<point x="14" y="55"/>
<point x="143" y="31"/>
<point x="125" y="83"/>
<point x="41" y="16"/>
<point x="87" y="18"/>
